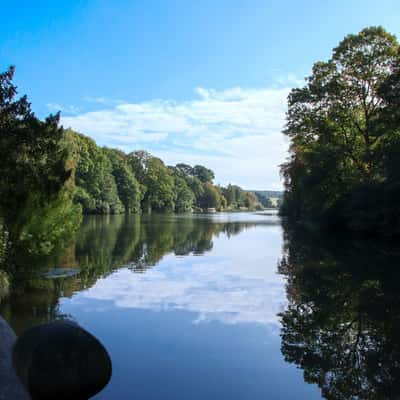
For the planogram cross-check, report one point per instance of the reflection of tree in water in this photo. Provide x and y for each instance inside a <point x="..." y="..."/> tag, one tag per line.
<point x="342" y="325"/>
<point x="103" y="244"/>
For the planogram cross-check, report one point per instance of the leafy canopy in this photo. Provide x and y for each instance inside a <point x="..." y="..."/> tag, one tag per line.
<point x="340" y="135"/>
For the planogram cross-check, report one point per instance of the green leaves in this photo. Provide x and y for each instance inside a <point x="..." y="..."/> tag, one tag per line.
<point x="109" y="181"/>
<point x="184" y="197"/>
<point x="48" y="227"/>
<point x="98" y="191"/>
<point x="337" y="125"/>
<point x="36" y="209"/>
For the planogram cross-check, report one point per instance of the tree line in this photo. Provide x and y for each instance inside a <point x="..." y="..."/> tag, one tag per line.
<point x="51" y="176"/>
<point x="343" y="125"/>
<point x="109" y="181"/>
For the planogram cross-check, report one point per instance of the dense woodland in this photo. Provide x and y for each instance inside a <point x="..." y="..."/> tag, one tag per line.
<point x="344" y="129"/>
<point x="51" y="176"/>
<point x="109" y="181"/>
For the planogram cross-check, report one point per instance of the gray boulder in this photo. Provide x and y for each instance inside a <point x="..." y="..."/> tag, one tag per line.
<point x="61" y="360"/>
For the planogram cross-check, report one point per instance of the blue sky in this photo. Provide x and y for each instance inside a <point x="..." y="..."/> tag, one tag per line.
<point x="193" y="81"/>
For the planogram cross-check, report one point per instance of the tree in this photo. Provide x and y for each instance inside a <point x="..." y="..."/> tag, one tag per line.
<point x="185" y="169"/>
<point x="138" y="161"/>
<point x="36" y="171"/>
<point x="184" y="197"/>
<point x="203" y="174"/>
<point x="211" y="197"/>
<point x="249" y="200"/>
<point x="197" y="189"/>
<point x="129" y="189"/>
<point x="336" y="129"/>
<point x="97" y="189"/>
<point x="232" y="195"/>
<point x="159" y="185"/>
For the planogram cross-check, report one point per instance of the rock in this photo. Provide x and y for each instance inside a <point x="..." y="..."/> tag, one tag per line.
<point x="10" y="385"/>
<point x="61" y="360"/>
<point x="56" y="273"/>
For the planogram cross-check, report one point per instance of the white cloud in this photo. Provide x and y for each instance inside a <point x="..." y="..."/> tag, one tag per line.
<point x="102" y="100"/>
<point x="236" y="132"/>
<point x="55" y="107"/>
<point x="290" y="79"/>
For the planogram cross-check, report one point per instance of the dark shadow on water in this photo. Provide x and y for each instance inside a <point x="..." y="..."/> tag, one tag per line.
<point x="342" y="324"/>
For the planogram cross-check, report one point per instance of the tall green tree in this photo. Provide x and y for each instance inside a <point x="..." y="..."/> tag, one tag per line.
<point x="335" y="171"/>
<point x="36" y="173"/>
<point x="184" y="197"/>
<point x="184" y="169"/>
<point x="232" y="195"/>
<point x="211" y="198"/>
<point x="97" y="189"/>
<point x="203" y="174"/>
<point x="187" y="173"/>
<point x="157" y="179"/>
<point x="129" y="189"/>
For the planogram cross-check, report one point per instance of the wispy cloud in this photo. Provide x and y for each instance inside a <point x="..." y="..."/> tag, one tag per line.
<point x="290" y="79"/>
<point x="55" y="107"/>
<point x="237" y="131"/>
<point x="101" y="100"/>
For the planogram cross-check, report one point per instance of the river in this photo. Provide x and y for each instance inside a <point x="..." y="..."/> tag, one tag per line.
<point x="222" y="306"/>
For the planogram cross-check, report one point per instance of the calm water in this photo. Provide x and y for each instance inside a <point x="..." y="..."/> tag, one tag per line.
<point x="223" y="306"/>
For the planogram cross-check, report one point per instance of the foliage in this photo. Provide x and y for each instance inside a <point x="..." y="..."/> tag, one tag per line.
<point x="129" y="189"/>
<point x="108" y="181"/>
<point x="249" y="200"/>
<point x="36" y="185"/>
<point x="211" y="198"/>
<point x="97" y="188"/>
<point x="343" y="146"/>
<point x="49" y="227"/>
<point x="4" y="243"/>
<point x="195" y="185"/>
<point x="4" y="284"/>
<point x="232" y="194"/>
<point x="203" y="174"/>
<point x="159" y="183"/>
<point x="237" y="198"/>
<point x="138" y="161"/>
<point x="183" y="195"/>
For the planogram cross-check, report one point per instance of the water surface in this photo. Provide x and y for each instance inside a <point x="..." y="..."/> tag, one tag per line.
<point x="218" y="306"/>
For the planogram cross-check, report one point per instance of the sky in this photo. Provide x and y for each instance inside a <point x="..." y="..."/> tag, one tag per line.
<point x="201" y="82"/>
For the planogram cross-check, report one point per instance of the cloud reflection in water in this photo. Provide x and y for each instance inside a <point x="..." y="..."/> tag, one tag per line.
<point x="225" y="285"/>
